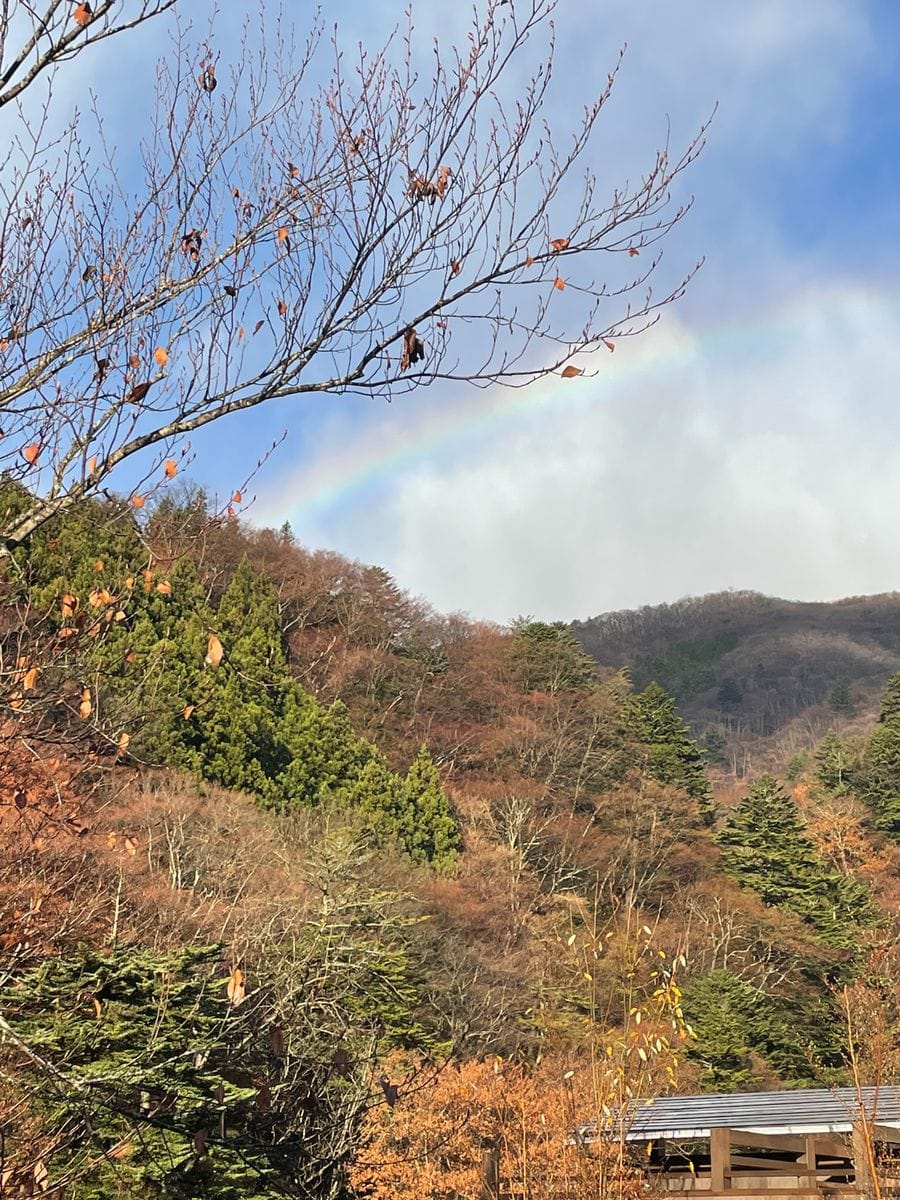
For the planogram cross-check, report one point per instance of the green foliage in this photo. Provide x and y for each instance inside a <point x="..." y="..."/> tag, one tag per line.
<point x="244" y="723"/>
<point x="688" y="668"/>
<point x="433" y="835"/>
<point x="840" y="700"/>
<point x="797" y="765"/>
<point x="744" y="1036"/>
<point x="766" y="848"/>
<point x="880" y="786"/>
<point x="154" y="1077"/>
<point x="547" y="657"/>
<point x="671" y="756"/>
<point x="836" y="764"/>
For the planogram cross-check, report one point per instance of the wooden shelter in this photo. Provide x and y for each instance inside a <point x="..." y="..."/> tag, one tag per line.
<point x="818" y="1142"/>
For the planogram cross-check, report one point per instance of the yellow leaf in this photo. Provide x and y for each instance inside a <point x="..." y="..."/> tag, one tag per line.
<point x="31" y="678"/>
<point x="236" y="989"/>
<point x="214" y="651"/>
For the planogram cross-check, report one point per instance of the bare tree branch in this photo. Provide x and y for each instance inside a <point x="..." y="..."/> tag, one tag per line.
<point x="375" y="233"/>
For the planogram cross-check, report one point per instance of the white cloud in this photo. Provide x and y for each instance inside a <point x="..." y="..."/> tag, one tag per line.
<point x="709" y="463"/>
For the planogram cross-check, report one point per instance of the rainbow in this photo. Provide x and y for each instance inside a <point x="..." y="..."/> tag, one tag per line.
<point x="378" y="452"/>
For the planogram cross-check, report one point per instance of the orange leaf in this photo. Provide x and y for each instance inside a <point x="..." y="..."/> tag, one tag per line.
<point x="98" y="565"/>
<point x="30" y="453"/>
<point x="85" y="708"/>
<point x="31" y="678"/>
<point x="164" y="587"/>
<point x="138" y="501"/>
<point x="559" y="284"/>
<point x="237" y="497"/>
<point x="282" y="234"/>
<point x="214" y="651"/>
<point x="559" y="243"/>
<point x="83" y="14"/>
<point x="570" y="372"/>
<point x="170" y="467"/>
<point x="131" y="846"/>
<point x="609" y="345"/>
<point x="236" y="990"/>
<point x="68" y="604"/>
<point x="122" y="744"/>
<point x="99" y="597"/>
<point x="130" y="656"/>
<point x="92" y="464"/>
<point x="528" y="261"/>
<point x="187" y="710"/>
<point x="282" y="308"/>
<point x="160" y="356"/>
<point x="129" y="582"/>
<point x="15" y="700"/>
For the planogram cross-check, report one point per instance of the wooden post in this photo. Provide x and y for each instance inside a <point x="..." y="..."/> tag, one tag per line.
<point x="719" y="1158"/>
<point x="809" y="1160"/>
<point x="490" y="1171"/>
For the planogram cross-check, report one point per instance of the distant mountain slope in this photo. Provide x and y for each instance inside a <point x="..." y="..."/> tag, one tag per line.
<point x="750" y="664"/>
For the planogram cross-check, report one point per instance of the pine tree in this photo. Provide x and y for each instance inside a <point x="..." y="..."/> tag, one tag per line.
<point x="671" y="755"/>
<point x="766" y="848"/>
<point x="881" y="766"/>
<point x="433" y="834"/>
<point x="835" y="764"/>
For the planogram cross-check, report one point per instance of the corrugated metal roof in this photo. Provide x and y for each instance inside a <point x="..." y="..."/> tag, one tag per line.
<point x="816" y="1110"/>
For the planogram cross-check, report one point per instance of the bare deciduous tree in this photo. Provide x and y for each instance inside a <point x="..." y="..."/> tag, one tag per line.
<point x="284" y="236"/>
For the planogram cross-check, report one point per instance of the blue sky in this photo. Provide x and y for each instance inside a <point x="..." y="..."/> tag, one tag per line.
<point x="750" y="440"/>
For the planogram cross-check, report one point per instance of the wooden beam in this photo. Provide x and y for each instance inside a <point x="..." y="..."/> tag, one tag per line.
<point x="825" y="1144"/>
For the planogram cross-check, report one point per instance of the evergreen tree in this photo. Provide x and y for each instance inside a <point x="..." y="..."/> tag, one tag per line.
<point x="743" y="1035"/>
<point x="766" y="848"/>
<point x="835" y="764"/>
<point x="671" y="755"/>
<point x="433" y="834"/>
<point x="548" y="657"/>
<point x="881" y="767"/>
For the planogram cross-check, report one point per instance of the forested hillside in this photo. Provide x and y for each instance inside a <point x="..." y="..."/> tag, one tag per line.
<point x="745" y="667"/>
<point x="285" y="843"/>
